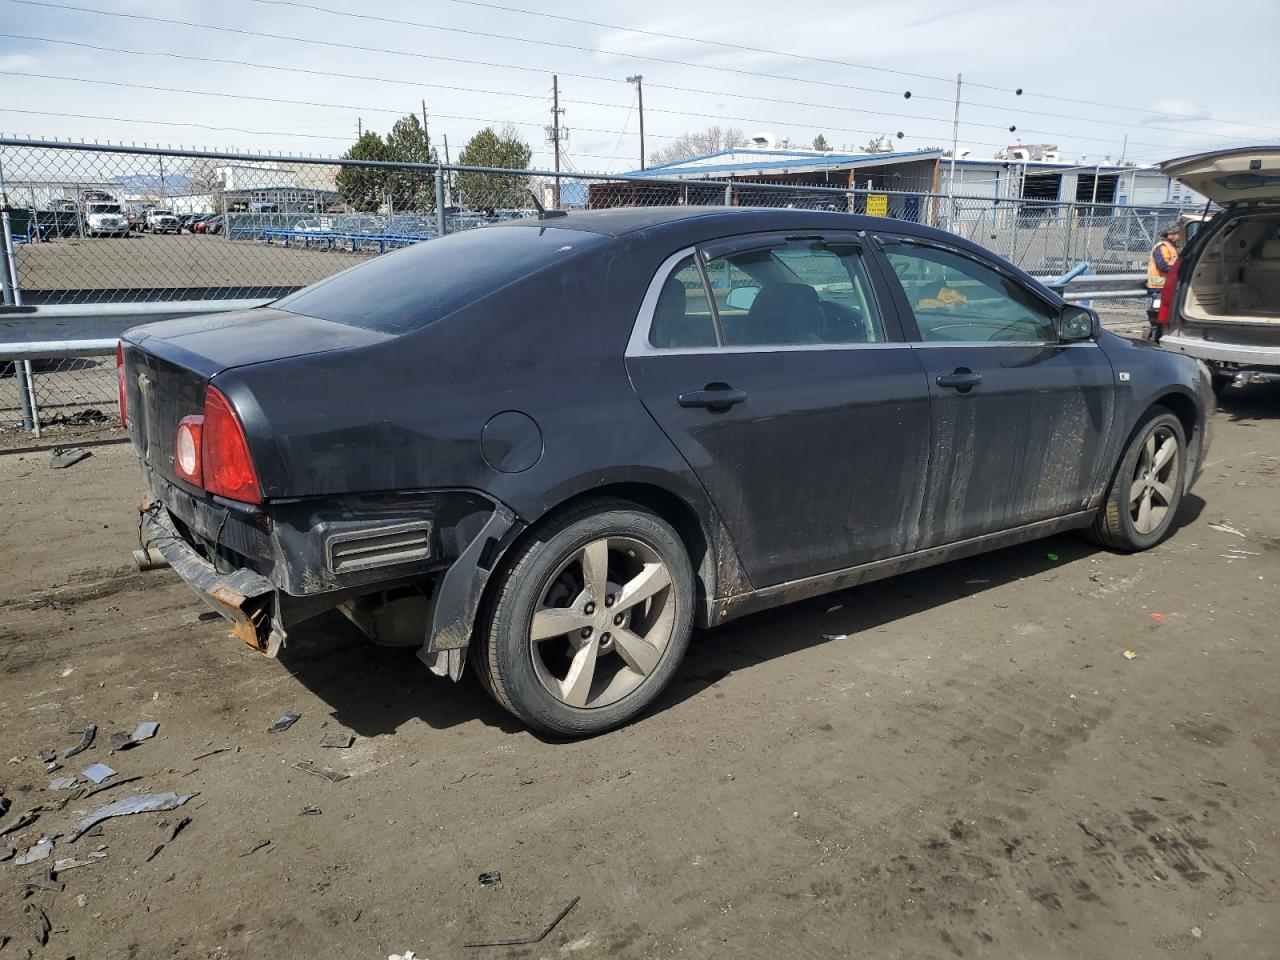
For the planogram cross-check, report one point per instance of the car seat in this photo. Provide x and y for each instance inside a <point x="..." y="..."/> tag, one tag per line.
<point x="672" y="326"/>
<point x="782" y="313"/>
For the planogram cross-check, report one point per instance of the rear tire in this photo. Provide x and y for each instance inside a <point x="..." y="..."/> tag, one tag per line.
<point x="1147" y="489"/>
<point x="589" y="619"/>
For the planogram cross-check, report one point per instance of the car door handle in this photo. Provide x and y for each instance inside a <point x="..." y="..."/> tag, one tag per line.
<point x="962" y="380"/>
<point x="713" y="397"/>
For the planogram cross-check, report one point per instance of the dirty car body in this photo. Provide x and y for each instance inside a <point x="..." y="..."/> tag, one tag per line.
<point x="413" y="422"/>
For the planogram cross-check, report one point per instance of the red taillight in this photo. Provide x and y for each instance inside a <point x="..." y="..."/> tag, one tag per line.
<point x="1167" y="293"/>
<point x="124" y="403"/>
<point x="224" y="452"/>
<point x="188" y="457"/>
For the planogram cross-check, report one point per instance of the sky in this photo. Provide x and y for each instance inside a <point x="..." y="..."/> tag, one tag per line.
<point x="1092" y="74"/>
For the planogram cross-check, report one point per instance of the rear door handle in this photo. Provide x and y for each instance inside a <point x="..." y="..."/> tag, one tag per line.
<point x="712" y="397"/>
<point x="962" y="380"/>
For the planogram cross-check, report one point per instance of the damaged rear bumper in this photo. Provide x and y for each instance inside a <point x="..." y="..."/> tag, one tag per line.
<point x="245" y="598"/>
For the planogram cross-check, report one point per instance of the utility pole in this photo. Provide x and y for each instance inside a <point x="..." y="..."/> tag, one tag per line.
<point x="359" y="128"/>
<point x="638" y="80"/>
<point x="426" y="136"/>
<point x="955" y="145"/>
<point x="448" y="177"/>
<point x="554" y="134"/>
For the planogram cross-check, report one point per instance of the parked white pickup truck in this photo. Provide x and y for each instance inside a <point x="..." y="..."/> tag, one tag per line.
<point x="161" y="221"/>
<point x="105" y="218"/>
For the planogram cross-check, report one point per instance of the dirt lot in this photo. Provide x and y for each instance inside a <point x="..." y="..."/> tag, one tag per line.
<point x="956" y="763"/>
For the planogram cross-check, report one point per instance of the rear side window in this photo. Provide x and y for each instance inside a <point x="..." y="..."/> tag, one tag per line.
<point x="406" y="290"/>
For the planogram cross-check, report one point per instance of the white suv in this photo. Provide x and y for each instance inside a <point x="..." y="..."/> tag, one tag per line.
<point x="1221" y="300"/>
<point x="101" y="218"/>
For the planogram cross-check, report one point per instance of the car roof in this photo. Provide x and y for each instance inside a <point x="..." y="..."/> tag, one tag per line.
<point x="618" y="221"/>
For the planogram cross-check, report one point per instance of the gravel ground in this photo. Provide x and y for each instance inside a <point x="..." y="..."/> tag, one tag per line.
<point x="960" y="762"/>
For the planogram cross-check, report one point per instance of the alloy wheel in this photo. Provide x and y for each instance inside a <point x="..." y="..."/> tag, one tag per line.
<point x="1151" y="492"/>
<point x="603" y="622"/>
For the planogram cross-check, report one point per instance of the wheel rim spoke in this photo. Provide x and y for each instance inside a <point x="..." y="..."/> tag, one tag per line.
<point x="1164" y="492"/>
<point x="1143" y="523"/>
<point x="1149" y="450"/>
<point x="1166" y="453"/>
<point x="595" y="569"/>
<point x="1136" y="491"/>
<point x="576" y="686"/>
<point x="557" y="621"/>
<point x="642" y="586"/>
<point x="636" y="652"/>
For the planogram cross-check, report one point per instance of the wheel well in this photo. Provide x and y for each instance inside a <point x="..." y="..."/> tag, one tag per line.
<point x="1184" y="408"/>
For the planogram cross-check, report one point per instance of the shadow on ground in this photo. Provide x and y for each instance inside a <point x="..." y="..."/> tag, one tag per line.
<point x="1257" y="401"/>
<point x="375" y="690"/>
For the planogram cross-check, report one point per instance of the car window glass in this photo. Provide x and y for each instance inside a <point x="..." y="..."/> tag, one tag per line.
<point x="956" y="299"/>
<point x="802" y="292"/>
<point x="682" y="318"/>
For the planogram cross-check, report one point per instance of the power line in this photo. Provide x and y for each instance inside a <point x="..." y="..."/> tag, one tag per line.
<point x="484" y="34"/>
<point x="830" y="61"/>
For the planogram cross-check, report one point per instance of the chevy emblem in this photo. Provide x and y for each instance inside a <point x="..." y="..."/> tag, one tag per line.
<point x="144" y="382"/>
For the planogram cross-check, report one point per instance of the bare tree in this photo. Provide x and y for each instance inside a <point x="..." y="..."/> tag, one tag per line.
<point x="710" y="140"/>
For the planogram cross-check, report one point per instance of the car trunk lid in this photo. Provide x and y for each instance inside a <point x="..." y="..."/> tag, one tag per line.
<point x="1229" y="176"/>
<point x="168" y="365"/>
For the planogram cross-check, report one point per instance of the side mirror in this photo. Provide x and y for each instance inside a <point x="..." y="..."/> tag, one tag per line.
<point x="1078" y="323"/>
<point x="741" y="298"/>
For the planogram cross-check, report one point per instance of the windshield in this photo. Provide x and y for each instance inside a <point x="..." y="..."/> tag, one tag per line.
<point x="418" y="285"/>
<point x="162" y="213"/>
<point x="104" y="208"/>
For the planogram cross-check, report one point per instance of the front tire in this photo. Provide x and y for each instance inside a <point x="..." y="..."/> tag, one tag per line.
<point x="1140" y="506"/>
<point x="589" y="619"/>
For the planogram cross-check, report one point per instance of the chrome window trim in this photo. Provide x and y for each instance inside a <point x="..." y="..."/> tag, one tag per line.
<point x="639" y="346"/>
<point x="935" y="344"/>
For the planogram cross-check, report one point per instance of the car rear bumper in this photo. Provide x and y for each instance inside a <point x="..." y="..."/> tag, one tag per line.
<point x="1214" y="351"/>
<point x="245" y="598"/>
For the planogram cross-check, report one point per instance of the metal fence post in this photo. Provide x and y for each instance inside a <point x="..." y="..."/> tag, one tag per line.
<point x="728" y="195"/>
<point x="440" y="222"/>
<point x="1066" y="237"/>
<point x="12" y="293"/>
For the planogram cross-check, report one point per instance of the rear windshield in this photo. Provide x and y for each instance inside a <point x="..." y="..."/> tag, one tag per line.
<point x="408" y="289"/>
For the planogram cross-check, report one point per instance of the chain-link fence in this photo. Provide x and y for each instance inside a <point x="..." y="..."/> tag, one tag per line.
<point x="103" y="225"/>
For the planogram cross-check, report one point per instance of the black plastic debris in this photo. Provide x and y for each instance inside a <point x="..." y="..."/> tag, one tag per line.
<point x="45" y="880"/>
<point x="48" y="754"/>
<point x="86" y="741"/>
<point x="522" y="941"/>
<point x="261" y="844"/>
<point x="177" y="827"/>
<point x="333" y="776"/>
<point x="120" y="741"/>
<point x="62" y="457"/>
<point x="143" y="803"/>
<point x="339" y="741"/>
<point x="310" y="810"/>
<point x="40" y="924"/>
<point x="24" y="819"/>
<point x="493" y="879"/>
<point x="284" y="723"/>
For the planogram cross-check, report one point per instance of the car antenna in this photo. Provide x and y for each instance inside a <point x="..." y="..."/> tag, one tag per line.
<point x="543" y="212"/>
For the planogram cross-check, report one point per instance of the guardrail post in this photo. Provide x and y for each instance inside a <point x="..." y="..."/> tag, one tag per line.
<point x="12" y="294"/>
<point x="440" y="224"/>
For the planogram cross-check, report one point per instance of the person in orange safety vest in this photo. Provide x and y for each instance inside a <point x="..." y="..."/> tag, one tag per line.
<point x="1163" y="256"/>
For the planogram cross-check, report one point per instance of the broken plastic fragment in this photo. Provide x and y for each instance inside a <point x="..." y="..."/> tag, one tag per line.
<point x="63" y="457"/>
<point x="62" y="783"/>
<point x="120" y="741"/>
<point x="284" y="723"/>
<point x="72" y="863"/>
<point x="146" y="730"/>
<point x="37" y="851"/>
<point x="48" y="754"/>
<point x="143" y="803"/>
<point x="1130" y="654"/>
<point x="327" y="772"/>
<point x="1227" y="528"/>
<point x="493" y="879"/>
<point x="23" y="819"/>
<point x="97" y="772"/>
<point x="338" y="740"/>
<point x="90" y="731"/>
<point x="41" y="925"/>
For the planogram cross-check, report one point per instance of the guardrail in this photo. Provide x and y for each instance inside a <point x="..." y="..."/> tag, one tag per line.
<point x="330" y="238"/>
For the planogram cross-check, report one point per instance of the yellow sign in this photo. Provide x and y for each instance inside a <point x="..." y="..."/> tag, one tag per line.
<point x="877" y="205"/>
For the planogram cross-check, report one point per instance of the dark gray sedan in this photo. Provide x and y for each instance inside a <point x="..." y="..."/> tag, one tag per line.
<point x="553" y="447"/>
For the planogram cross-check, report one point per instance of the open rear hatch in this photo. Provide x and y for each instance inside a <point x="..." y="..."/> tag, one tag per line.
<point x="168" y="365"/>
<point x="1230" y="176"/>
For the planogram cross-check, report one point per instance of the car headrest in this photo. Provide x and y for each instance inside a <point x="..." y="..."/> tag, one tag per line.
<point x="672" y="327"/>
<point x="784" y="313"/>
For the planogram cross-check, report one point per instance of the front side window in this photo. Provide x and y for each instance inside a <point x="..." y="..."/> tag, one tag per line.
<point x="959" y="300"/>
<point x="801" y="292"/>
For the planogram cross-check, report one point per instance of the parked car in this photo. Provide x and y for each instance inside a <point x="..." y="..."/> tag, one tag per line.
<point x="1221" y="300"/>
<point x="103" y="217"/>
<point x="137" y="220"/>
<point x="161" y="221"/>
<point x="1138" y="230"/>
<point x="555" y="446"/>
<point x="207" y="224"/>
<point x="310" y="225"/>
